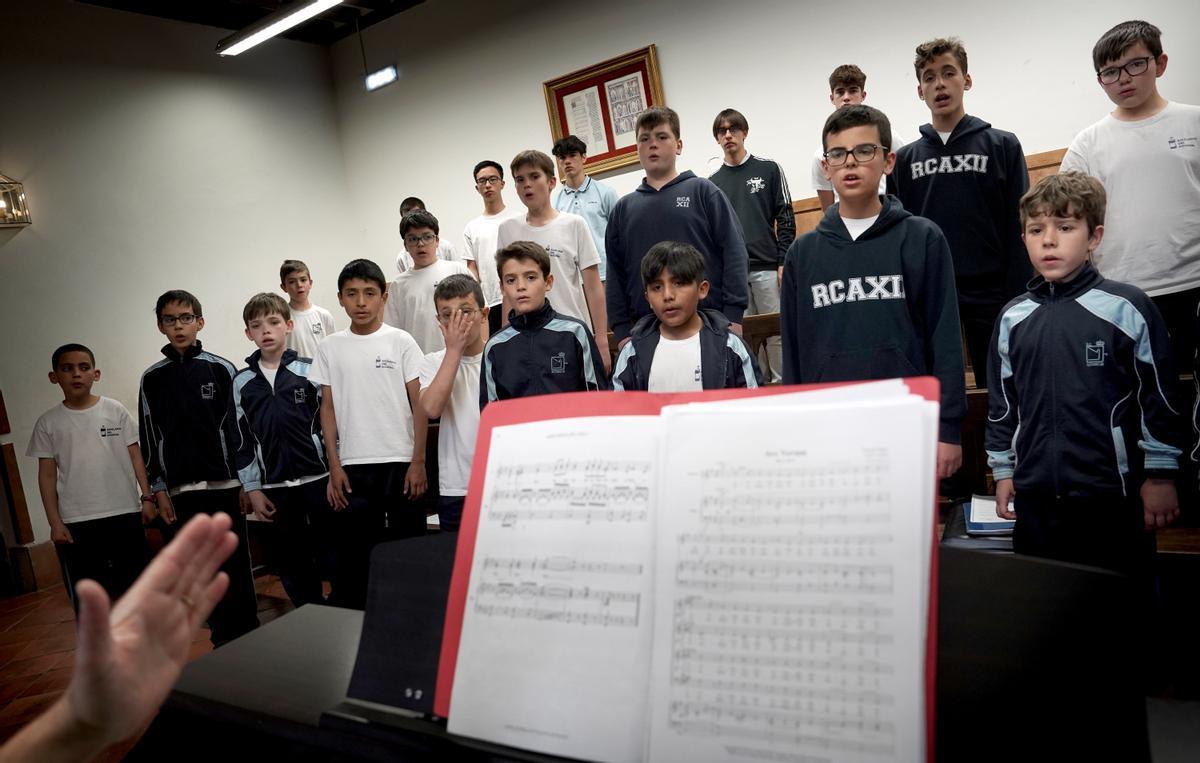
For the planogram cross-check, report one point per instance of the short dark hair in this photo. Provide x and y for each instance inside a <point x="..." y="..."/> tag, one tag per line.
<point x="364" y="270"/>
<point x="523" y="250"/>
<point x="847" y="75"/>
<point x="264" y="304"/>
<point x="533" y="158"/>
<point x="858" y="116"/>
<point x="927" y="51"/>
<point x="72" y="347"/>
<point x="683" y="260"/>
<point x="1113" y="43"/>
<point x="655" y="116"/>
<point x="571" y="144"/>
<point x="180" y="296"/>
<point x="1066" y="194"/>
<point x="409" y="204"/>
<point x="418" y="219"/>
<point x="292" y="266"/>
<point x="735" y="118"/>
<point x="457" y="286"/>
<point x="484" y="164"/>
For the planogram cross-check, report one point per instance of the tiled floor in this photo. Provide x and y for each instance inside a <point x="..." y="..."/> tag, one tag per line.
<point x="37" y="647"/>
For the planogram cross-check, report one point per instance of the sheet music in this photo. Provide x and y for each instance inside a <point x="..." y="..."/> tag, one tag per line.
<point x="789" y="571"/>
<point x="556" y="637"/>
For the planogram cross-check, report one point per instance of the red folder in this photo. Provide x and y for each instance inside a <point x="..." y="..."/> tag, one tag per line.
<point x="584" y="404"/>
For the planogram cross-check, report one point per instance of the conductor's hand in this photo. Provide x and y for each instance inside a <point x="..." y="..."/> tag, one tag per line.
<point x="128" y="659"/>
<point x="338" y="491"/>
<point x="949" y="459"/>
<point x="1004" y="499"/>
<point x="1160" y="503"/>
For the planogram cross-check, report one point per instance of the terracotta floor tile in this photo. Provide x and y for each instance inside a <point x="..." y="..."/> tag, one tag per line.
<point x="11" y="688"/>
<point x="55" y="680"/>
<point x="33" y="667"/>
<point x="50" y="615"/>
<point x="24" y="709"/>
<point x="49" y="645"/>
<point x="20" y="634"/>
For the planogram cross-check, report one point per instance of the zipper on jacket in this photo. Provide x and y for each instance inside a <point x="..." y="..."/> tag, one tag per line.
<point x="1051" y="304"/>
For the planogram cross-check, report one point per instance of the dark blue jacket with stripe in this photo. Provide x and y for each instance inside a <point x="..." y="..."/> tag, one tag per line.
<point x="725" y="360"/>
<point x="282" y="422"/>
<point x="1080" y="380"/>
<point x="540" y="353"/>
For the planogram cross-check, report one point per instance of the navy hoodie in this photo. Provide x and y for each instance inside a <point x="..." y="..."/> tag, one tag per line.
<point x="970" y="186"/>
<point x="690" y="210"/>
<point x="879" y="307"/>
<point x="282" y="420"/>
<point x="1080" y="384"/>
<point x="725" y="358"/>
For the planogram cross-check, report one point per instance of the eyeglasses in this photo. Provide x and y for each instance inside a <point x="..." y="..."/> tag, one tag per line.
<point x="424" y="238"/>
<point x="467" y="312"/>
<point x="1133" y="68"/>
<point x="489" y="180"/>
<point x="186" y="319"/>
<point x="863" y="152"/>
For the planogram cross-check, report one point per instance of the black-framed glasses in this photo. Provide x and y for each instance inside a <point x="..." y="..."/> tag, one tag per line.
<point x="489" y="180"/>
<point x="1133" y="68"/>
<point x="424" y="238"/>
<point x="186" y="319"/>
<point x="863" y="152"/>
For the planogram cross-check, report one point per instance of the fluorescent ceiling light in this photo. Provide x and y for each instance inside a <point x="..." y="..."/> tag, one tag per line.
<point x="276" y="23"/>
<point x="385" y="76"/>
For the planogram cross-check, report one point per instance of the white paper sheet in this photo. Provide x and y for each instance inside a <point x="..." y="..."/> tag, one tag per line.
<point x="585" y="121"/>
<point x="789" y="571"/>
<point x="555" y="643"/>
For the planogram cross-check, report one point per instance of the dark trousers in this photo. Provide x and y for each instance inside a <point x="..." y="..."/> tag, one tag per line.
<point x="237" y="612"/>
<point x="302" y="519"/>
<point x="450" y="509"/>
<point x="1100" y="531"/>
<point x="112" y="551"/>
<point x="378" y="511"/>
<point x="979" y="305"/>
<point x="1179" y="312"/>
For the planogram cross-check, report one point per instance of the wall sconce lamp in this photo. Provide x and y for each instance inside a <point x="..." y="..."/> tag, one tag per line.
<point x="14" y="212"/>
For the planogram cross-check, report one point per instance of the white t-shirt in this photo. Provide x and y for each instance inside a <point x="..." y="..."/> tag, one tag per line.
<point x="568" y="241"/>
<point x="820" y="183"/>
<point x="479" y="245"/>
<point x="91" y="450"/>
<point x="445" y="251"/>
<point x="676" y="365"/>
<point x="1151" y="173"/>
<point x="367" y="375"/>
<point x="858" y="226"/>
<point x="269" y="374"/>
<point x="410" y="303"/>
<point x="459" y="421"/>
<point x="309" y="328"/>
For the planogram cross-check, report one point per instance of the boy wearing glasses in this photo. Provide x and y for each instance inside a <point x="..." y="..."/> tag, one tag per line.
<point x="479" y="237"/>
<point x="1146" y="153"/>
<point x="967" y="177"/>
<point x="191" y="444"/>
<point x="449" y="382"/>
<point x="410" y="297"/>
<point x="870" y="293"/>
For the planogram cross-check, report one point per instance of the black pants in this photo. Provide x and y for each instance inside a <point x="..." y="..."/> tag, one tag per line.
<point x="1179" y="313"/>
<point x="1100" y="531"/>
<point x="237" y="612"/>
<point x="301" y="521"/>
<point x="979" y="305"/>
<point x="112" y="551"/>
<point x="450" y="509"/>
<point x="378" y="511"/>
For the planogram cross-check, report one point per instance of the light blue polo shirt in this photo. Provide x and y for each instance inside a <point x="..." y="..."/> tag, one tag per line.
<point x="593" y="202"/>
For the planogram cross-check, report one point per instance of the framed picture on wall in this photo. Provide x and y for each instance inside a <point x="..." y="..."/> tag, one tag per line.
<point x="601" y="104"/>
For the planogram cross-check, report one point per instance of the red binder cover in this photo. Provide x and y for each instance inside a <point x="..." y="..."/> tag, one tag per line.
<point x="586" y="404"/>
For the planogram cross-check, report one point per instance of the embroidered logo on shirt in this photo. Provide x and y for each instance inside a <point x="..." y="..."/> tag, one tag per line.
<point x="683" y="201"/>
<point x="855" y="290"/>
<point x="318" y="329"/>
<point x="558" y="363"/>
<point x="382" y="362"/>
<point x="950" y="164"/>
<point x="299" y="395"/>
<point x="1094" y="353"/>
<point x="1174" y="143"/>
<point x="109" y="431"/>
<point x="697" y="376"/>
<point x="208" y="391"/>
<point x="756" y="184"/>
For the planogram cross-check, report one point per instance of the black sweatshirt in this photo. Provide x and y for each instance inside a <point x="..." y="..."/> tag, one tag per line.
<point x="759" y="194"/>
<point x="970" y="186"/>
<point x="879" y="307"/>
